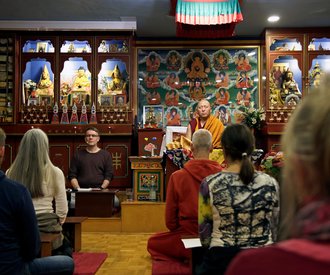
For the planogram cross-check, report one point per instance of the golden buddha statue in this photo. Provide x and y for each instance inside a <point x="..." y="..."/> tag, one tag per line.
<point x="81" y="82"/>
<point x="45" y="86"/>
<point x="117" y="84"/>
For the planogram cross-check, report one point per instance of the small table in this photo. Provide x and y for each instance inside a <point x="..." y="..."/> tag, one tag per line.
<point x="146" y="169"/>
<point x="94" y="203"/>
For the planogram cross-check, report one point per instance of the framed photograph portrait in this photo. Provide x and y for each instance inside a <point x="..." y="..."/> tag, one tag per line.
<point x="153" y="116"/>
<point x="119" y="100"/>
<point x="45" y="100"/>
<point x="173" y="133"/>
<point x="33" y="101"/>
<point x="42" y="47"/>
<point x="105" y="100"/>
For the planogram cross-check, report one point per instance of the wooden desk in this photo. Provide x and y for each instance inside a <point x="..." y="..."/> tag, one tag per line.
<point x="72" y="227"/>
<point x="94" y="203"/>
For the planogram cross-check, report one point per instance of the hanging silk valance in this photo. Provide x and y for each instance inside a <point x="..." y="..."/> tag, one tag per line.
<point x="209" y="19"/>
<point x="208" y="12"/>
<point x="202" y="31"/>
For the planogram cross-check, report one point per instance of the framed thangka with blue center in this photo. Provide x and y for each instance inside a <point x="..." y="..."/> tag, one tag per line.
<point x="178" y="78"/>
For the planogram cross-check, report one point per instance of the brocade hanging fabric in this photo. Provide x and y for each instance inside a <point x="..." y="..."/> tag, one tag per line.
<point x="206" y="18"/>
<point x="208" y="12"/>
<point x="202" y="31"/>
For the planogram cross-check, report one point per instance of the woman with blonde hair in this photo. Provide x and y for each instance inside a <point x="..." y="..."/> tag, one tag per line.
<point x="45" y="182"/>
<point x="305" y="215"/>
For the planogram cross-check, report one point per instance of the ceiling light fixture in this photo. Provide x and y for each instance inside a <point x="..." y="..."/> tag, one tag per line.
<point x="273" y="18"/>
<point x="129" y="25"/>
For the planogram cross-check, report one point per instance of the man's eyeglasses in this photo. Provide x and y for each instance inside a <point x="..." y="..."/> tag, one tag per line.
<point x="91" y="135"/>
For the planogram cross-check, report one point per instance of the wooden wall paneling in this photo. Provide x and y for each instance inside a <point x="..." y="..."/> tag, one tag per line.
<point x="119" y="149"/>
<point x="60" y="155"/>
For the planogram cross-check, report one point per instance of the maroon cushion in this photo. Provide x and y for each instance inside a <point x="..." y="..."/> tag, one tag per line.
<point x="170" y="268"/>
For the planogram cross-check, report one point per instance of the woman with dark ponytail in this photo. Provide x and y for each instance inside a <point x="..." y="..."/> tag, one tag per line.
<point x="238" y="207"/>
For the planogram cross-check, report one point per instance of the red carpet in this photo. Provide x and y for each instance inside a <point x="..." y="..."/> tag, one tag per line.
<point x="87" y="263"/>
<point x="170" y="268"/>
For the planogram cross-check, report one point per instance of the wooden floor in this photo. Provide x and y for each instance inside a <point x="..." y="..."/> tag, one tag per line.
<point x="127" y="253"/>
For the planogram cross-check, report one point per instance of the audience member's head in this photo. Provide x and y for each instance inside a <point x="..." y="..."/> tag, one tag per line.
<point x="306" y="146"/>
<point x="238" y="144"/>
<point x="201" y="143"/>
<point x="29" y="164"/>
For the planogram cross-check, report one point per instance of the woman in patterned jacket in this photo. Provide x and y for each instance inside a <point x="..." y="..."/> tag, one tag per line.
<point x="238" y="207"/>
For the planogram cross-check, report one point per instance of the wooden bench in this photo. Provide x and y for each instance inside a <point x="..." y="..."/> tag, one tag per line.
<point x="72" y="227"/>
<point x="47" y="240"/>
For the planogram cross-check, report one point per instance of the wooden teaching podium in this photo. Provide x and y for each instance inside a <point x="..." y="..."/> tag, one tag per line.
<point x="144" y="170"/>
<point x="94" y="203"/>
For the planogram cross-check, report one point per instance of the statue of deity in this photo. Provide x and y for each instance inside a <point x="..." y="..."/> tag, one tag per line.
<point x="117" y="84"/>
<point x="81" y="82"/>
<point x="315" y="75"/>
<point x="103" y="47"/>
<point x="289" y="85"/>
<point x="71" y="48"/>
<point x="45" y="86"/>
<point x="290" y="89"/>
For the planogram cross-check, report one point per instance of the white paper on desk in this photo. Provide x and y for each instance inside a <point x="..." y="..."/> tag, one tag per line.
<point x="84" y="189"/>
<point x="190" y="243"/>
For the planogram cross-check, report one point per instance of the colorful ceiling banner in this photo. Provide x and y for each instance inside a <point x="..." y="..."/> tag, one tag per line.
<point x="208" y="12"/>
<point x="208" y="19"/>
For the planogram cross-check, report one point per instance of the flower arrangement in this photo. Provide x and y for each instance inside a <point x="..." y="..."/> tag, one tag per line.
<point x="29" y="84"/>
<point x="253" y="117"/>
<point x="272" y="164"/>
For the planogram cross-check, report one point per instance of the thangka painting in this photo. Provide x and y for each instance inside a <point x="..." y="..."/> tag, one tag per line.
<point x="178" y="78"/>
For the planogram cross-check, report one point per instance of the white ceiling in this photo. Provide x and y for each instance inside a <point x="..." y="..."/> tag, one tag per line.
<point x="153" y="19"/>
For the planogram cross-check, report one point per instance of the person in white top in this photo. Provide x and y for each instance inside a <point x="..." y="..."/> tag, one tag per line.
<point x="45" y="182"/>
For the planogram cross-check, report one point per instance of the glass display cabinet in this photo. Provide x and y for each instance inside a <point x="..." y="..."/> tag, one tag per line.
<point x="295" y="61"/>
<point x="53" y="81"/>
